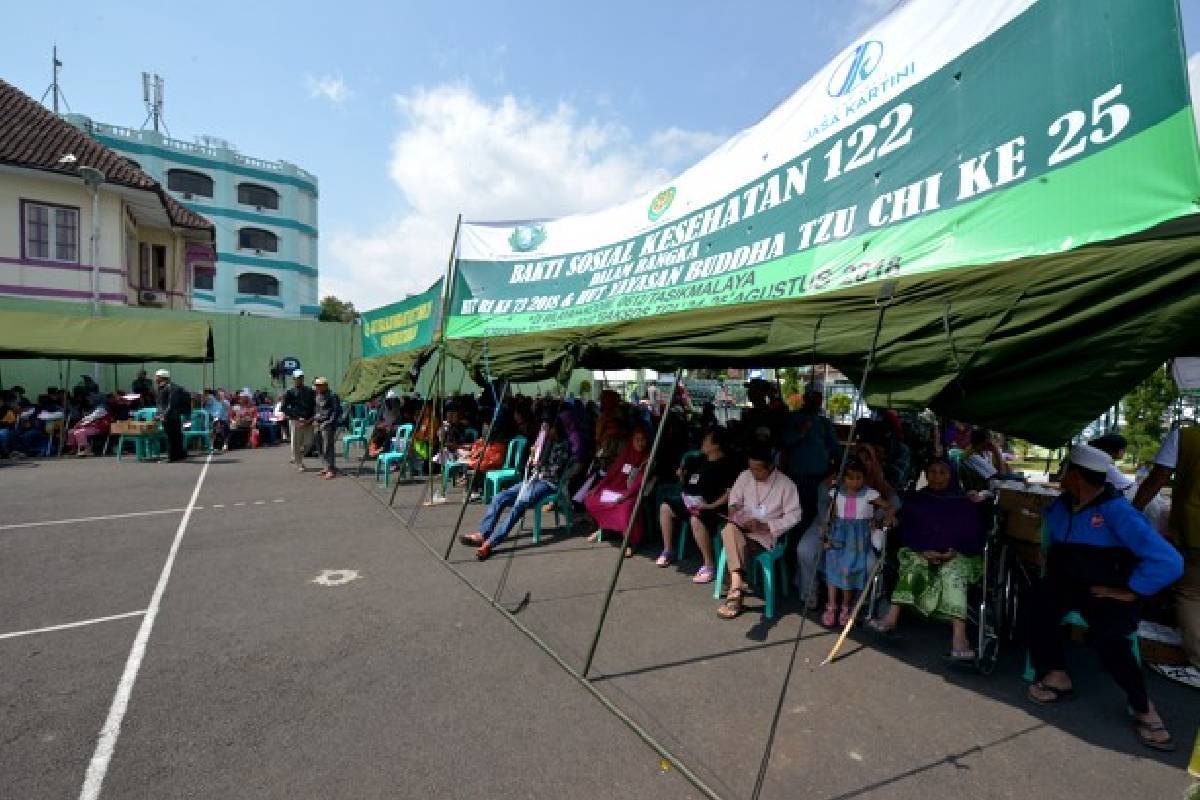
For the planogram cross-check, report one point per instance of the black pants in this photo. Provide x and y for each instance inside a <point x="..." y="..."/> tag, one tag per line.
<point x="1110" y="623"/>
<point x="173" y="427"/>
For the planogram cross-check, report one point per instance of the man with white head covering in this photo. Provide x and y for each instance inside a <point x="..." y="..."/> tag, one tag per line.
<point x="174" y="403"/>
<point x="1103" y="558"/>
<point x="299" y="405"/>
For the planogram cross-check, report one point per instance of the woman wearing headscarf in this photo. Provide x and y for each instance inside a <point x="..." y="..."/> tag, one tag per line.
<point x="941" y="534"/>
<point x="611" y="501"/>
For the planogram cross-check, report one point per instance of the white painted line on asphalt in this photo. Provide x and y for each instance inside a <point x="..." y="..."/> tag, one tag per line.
<point x="67" y="625"/>
<point x="218" y="505"/>
<point x="277" y="500"/>
<point x="107" y="743"/>
<point x="100" y="518"/>
<point x="240" y="504"/>
<point x="260" y="502"/>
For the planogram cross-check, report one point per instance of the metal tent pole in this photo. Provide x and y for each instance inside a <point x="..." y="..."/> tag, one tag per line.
<point x="637" y="507"/>
<point x="470" y="479"/>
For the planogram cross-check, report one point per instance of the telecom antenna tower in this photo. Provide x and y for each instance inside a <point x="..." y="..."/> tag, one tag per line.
<point x="152" y="96"/>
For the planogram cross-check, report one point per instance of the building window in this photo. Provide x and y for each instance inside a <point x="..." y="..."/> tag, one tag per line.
<point x="257" y="239"/>
<point x="203" y="279"/>
<point x="51" y="232"/>
<point x="188" y="182"/>
<point x="251" y="194"/>
<point x="256" y="283"/>
<point x="152" y="267"/>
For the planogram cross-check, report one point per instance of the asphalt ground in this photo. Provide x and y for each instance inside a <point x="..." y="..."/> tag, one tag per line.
<point x="257" y="682"/>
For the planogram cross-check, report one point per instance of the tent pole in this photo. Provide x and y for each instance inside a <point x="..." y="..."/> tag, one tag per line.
<point x="470" y="479"/>
<point x="637" y="508"/>
<point x="62" y="436"/>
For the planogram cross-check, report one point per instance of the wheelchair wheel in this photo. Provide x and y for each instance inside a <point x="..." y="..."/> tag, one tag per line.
<point x="987" y="654"/>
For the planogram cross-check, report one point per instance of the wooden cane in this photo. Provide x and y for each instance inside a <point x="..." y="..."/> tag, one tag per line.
<point x="862" y="598"/>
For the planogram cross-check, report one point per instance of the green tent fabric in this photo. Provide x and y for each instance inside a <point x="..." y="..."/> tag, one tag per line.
<point x="26" y="334"/>
<point x="1036" y="347"/>
<point x="369" y="377"/>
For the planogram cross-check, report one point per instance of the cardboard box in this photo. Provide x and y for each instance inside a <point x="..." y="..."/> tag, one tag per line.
<point x="1022" y="510"/>
<point x="134" y="428"/>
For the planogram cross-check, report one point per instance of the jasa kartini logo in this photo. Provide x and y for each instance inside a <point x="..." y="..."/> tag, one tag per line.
<point x="855" y="68"/>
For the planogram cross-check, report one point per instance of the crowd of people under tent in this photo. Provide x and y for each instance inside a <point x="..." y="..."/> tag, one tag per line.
<point x="773" y="479"/>
<point x="766" y="480"/>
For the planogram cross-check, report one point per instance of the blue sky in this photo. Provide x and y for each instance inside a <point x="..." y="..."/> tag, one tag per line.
<point x="408" y="112"/>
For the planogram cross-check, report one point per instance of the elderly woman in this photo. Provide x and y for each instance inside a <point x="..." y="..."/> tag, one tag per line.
<point x="611" y="501"/>
<point x="95" y="423"/>
<point x="941" y="535"/>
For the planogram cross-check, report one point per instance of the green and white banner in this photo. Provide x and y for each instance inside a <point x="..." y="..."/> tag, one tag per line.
<point x="952" y="134"/>
<point x="407" y="325"/>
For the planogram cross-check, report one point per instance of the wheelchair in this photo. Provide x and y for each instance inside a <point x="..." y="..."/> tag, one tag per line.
<point x="993" y="600"/>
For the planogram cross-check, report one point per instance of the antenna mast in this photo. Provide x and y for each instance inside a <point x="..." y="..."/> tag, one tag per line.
<point x="54" y="90"/>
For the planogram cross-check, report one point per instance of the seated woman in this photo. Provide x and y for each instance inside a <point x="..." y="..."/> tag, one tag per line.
<point x="611" y="500"/>
<point x="219" y="412"/>
<point x="610" y="440"/>
<point x="95" y="423"/>
<point x="706" y="485"/>
<point x="941" y="534"/>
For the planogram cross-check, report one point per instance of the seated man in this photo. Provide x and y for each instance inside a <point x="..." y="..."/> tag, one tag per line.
<point x="546" y="467"/>
<point x="764" y="505"/>
<point x="1103" y="558"/>
<point x="941" y="536"/>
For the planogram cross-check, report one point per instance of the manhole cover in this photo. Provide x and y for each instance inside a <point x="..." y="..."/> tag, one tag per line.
<point x="335" y="577"/>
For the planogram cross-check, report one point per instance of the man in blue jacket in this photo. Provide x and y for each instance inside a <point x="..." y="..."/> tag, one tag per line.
<point x="1103" y="558"/>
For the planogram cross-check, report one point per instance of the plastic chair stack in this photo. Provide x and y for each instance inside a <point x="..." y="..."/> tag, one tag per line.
<point x="360" y="431"/>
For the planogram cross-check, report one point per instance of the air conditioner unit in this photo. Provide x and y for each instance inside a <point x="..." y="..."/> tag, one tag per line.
<point x="152" y="298"/>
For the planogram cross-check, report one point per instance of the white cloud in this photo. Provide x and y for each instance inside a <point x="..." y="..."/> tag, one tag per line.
<point x="330" y="87"/>
<point x="503" y="159"/>
<point x="1193" y="66"/>
<point x="683" y="147"/>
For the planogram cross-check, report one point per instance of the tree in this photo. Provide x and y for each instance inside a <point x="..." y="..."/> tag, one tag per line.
<point x="840" y="405"/>
<point x="335" y="310"/>
<point x="790" y="378"/>
<point x="1145" y="414"/>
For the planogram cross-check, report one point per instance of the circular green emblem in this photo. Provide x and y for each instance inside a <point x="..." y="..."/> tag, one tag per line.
<point x="660" y="203"/>
<point x="527" y="237"/>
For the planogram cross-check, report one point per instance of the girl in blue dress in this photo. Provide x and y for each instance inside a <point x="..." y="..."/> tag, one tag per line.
<point x="848" y="542"/>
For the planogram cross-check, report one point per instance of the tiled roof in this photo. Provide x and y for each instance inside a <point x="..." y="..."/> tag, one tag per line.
<point x="33" y="137"/>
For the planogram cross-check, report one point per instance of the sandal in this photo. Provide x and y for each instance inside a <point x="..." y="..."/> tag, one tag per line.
<point x="963" y="656"/>
<point x="844" y="615"/>
<point x="1146" y="731"/>
<point x="732" y="606"/>
<point x="1055" y="694"/>
<point x="595" y="536"/>
<point x="882" y="628"/>
<point x="664" y="559"/>
<point x="829" y="616"/>
<point x="704" y="575"/>
<point x="471" y="539"/>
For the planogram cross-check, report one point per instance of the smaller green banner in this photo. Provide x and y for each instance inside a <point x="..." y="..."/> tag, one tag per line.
<point x="407" y="325"/>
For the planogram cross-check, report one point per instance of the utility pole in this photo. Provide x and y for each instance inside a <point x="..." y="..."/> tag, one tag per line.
<point x="57" y="97"/>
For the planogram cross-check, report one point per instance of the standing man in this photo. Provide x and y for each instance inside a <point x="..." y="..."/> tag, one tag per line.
<point x="299" y="405"/>
<point x="142" y="386"/>
<point x="810" y="448"/>
<point x="174" y="403"/>
<point x="1103" y="559"/>
<point x="1180" y="455"/>
<point x="327" y="414"/>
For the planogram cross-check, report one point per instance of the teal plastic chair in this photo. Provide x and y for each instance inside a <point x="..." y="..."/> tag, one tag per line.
<point x="496" y="480"/>
<point x="685" y="527"/>
<point x="451" y="467"/>
<point x="766" y="562"/>
<point x="200" y="429"/>
<point x="399" y="452"/>
<point x="561" y="502"/>
<point x="144" y="445"/>
<point x="360" y="430"/>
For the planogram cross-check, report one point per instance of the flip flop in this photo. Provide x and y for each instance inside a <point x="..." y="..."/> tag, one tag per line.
<point x="1145" y="732"/>
<point x="704" y="575"/>
<point x="732" y="606"/>
<point x="1057" y="695"/>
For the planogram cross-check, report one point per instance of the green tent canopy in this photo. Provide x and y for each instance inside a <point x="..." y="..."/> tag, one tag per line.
<point x="25" y="334"/>
<point x="1037" y="347"/>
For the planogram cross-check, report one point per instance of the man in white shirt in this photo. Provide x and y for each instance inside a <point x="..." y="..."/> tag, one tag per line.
<point x="763" y="506"/>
